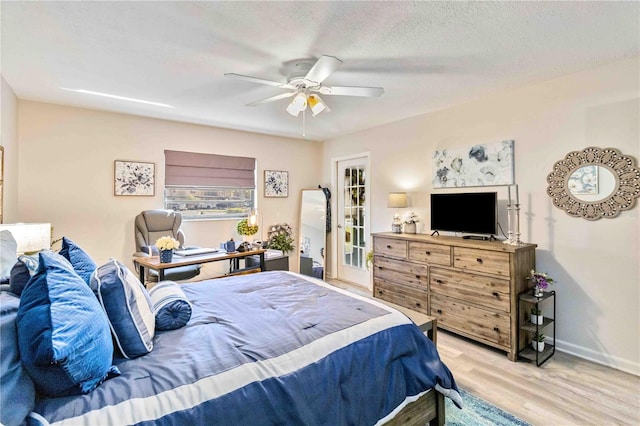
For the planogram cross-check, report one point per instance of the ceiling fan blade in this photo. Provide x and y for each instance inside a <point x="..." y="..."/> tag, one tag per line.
<point x="323" y="68"/>
<point x="259" y="80"/>
<point x="351" y="91"/>
<point x="272" y="98"/>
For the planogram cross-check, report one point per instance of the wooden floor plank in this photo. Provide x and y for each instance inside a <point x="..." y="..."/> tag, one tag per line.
<point x="566" y="390"/>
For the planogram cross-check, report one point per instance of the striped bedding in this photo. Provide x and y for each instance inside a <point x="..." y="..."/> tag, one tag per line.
<point x="274" y="348"/>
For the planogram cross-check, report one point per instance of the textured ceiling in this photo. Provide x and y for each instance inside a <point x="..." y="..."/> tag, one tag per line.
<point x="427" y="55"/>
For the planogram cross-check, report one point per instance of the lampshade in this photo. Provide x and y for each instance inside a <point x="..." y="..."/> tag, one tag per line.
<point x="298" y="104"/>
<point x="255" y="219"/>
<point x="397" y="200"/>
<point x="30" y="236"/>
<point x="252" y="220"/>
<point x="316" y="105"/>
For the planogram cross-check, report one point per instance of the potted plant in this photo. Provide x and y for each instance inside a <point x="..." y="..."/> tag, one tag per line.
<point x="540" y="280"/>
<point x="536" y="316"/>
<point x="280" y="238"/>
<point x="166" y="245"/>
<point x="410" y="220"/>
<point x="369" y="259"/>
<point x="246" y="230"/>
<point x="537" y="341"/>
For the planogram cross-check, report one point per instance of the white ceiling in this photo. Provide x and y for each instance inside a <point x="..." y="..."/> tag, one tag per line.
<point x="427" y="55"/>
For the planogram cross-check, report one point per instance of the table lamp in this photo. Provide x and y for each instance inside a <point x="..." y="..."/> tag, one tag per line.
<point x="397" y="200"/>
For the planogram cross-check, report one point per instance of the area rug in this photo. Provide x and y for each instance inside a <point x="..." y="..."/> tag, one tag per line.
<point x="477" y="412"/>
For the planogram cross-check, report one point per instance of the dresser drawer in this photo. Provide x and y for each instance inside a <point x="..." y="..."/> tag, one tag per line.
<point x="390" y="247"/>
<point x="492" y="292"/>
<point x="483" y="324"/>
<point x="433" y="254"/>
<point x="401" y="271"/>
<point x="490" y="262"/>
<point x="408" y="297"/>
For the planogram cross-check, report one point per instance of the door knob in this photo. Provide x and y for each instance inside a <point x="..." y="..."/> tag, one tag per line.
<point x="339" y="226"/>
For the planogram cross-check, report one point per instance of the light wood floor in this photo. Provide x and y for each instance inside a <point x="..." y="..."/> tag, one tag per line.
<point x="566" y="390"/>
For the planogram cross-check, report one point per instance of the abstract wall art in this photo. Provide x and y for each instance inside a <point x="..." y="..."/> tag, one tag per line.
<point x="479" y="165"/>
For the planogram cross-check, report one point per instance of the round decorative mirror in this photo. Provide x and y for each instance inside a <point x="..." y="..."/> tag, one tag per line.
<point x="594" y="183"/>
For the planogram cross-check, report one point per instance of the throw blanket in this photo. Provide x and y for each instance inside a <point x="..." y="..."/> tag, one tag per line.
<point x="265" y="349"/>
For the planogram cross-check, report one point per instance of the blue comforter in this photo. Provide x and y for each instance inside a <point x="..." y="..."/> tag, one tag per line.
<point x="274" y="348"/>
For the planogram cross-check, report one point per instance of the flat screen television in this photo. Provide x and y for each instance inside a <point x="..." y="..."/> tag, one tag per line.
<point x="472" y="212"/>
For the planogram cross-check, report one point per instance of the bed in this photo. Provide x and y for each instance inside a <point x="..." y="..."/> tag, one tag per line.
<point x="272" y="348"/>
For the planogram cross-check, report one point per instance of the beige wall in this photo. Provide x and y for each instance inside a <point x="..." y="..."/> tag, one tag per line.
<point x="596" y="264"/>
<point x="9" y="141"/>
<point x="66" y="173"/>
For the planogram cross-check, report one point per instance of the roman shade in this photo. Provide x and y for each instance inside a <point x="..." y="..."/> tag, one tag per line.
<point x="195" y="169"/>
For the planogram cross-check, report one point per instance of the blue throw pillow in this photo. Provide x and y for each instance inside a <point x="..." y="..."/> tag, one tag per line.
<point x="17" y="394"/>
<point x="170" y="306"/>
<point x="128" y="307"/>
<point x="22" y="271"/>
<point x="63" y="333"/>
<point x="82" y="263"/>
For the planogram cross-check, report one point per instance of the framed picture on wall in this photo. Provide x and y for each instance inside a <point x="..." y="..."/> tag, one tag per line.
<point x="134" y="178"/>
<point x="276" y="183"/>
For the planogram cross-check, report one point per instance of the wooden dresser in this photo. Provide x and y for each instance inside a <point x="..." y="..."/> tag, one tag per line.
<point x="470" y="286"/>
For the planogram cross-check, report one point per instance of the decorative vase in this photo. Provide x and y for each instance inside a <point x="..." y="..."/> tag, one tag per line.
<point x="166" y="256"/>
<point x="410" y="228"/>
<point x="537" y="292"/>
<point x="537" y="319"/>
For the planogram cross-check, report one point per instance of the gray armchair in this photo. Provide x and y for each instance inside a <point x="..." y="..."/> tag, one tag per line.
<point x="153" y="224"/>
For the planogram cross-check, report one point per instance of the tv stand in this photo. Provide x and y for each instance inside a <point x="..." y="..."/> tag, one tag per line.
<point x="479" y="237"/>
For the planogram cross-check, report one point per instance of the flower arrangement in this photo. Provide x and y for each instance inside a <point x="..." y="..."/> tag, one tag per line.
<point x="244" y="228"/>
<point x="167" y="243"/>
<point x="539" y="279"/>
<point x="280" y="238"/>
<point x="411" y="217"/>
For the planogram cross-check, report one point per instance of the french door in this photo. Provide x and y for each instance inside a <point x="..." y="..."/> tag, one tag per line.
<point x="353" y="220"/>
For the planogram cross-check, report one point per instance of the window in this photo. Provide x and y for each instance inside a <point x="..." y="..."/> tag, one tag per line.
<point x="209" y="186"/>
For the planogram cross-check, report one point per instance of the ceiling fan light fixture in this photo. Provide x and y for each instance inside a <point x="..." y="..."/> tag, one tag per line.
<point x="316" y="105"/>
<point x="297" y="105"/>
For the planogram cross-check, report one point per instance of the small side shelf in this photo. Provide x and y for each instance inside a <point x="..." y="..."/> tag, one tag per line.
<point x="526" y="300"/>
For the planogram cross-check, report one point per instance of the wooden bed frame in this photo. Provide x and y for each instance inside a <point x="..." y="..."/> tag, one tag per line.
<point x="429" y="408"/>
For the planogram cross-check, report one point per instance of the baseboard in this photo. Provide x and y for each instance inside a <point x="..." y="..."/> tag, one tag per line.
<point x="599" y="357"/>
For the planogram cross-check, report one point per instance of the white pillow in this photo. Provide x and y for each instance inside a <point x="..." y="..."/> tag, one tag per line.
<point x="8" y="254"/>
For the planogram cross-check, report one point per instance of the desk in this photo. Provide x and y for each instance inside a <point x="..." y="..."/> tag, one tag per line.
<point x="153" y="262"/>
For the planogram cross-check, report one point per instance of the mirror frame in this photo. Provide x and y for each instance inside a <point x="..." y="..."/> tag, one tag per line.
<point x="324" y="231"/>
<point x="623" y="196"/>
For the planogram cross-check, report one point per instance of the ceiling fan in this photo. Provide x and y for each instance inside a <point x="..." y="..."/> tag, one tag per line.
<point x="305" y="85"/>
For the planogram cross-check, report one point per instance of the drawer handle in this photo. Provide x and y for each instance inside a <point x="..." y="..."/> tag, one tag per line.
<point x="388" y="246"/>
<point x="439" y="311"/>
<point x="418" y="304"/>
<point x="496" y="294"/>
<point x="439" y="281"/>
<point x="479" y="261"/>
<point x="496" y="329"/>
<point x="418" y="276"/>
<point x="428" y="253"/>
<point x="380" y="267"/>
